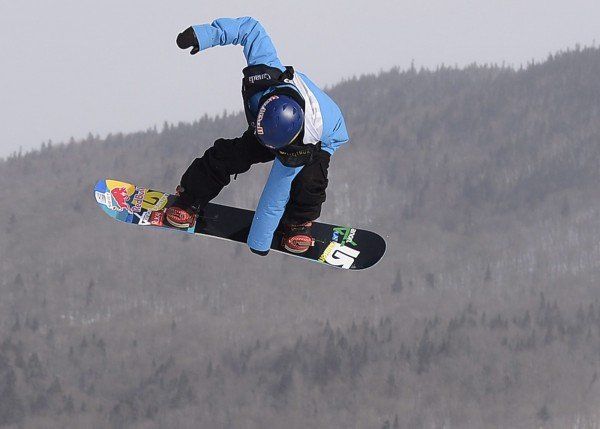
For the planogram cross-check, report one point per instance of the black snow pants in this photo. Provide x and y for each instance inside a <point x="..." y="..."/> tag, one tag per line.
<point x="206" y="176"/>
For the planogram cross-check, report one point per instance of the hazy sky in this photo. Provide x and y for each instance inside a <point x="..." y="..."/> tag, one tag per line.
<point x="71" y="67"/>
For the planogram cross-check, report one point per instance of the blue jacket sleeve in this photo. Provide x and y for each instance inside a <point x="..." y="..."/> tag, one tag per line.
<point x="248" y="32"/>
<point x="337" y="134"/>
<point x="271" y="206"/>
<point x="334" y="132"/>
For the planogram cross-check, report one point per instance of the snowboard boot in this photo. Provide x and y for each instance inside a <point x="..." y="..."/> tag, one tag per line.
<point x="182" y="213"/>
<point x="297" y="238"/>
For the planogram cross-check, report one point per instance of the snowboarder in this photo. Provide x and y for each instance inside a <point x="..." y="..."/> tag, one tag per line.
<point x="290" y="121"/>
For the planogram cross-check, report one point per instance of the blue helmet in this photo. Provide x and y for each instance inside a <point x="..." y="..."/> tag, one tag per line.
<point x="279" y="121"/>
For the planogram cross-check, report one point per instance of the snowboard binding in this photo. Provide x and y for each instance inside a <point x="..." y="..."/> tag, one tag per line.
<point x="182" y="213"/>
<point x="297" y="238"/>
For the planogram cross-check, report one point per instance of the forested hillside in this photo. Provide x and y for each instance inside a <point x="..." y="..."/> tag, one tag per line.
<point x="484" y="312"/>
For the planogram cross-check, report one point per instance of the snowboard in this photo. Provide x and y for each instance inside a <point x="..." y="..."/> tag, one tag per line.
<point x="338" y="246"/>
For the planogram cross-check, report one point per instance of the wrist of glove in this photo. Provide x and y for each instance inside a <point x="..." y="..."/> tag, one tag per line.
<point x="259" y="252"/>
<point x="187" y="39"/>
<point x="295" y="155"/>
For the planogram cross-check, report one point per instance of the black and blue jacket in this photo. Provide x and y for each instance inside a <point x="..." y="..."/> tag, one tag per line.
<point x="323" y="120"/>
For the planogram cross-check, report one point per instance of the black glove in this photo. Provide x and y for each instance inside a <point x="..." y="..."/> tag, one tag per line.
<point x="259" y="252"/>
<point x="188" y="39"/>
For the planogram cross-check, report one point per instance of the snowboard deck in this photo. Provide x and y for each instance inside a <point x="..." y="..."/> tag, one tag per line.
<point x="339" y="246"/>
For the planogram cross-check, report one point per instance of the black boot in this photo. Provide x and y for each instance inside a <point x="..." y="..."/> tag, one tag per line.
<point x="183" y="212"/>
<point x="297" y="238"/>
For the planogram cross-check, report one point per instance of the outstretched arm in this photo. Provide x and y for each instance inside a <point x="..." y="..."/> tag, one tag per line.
<point x="246" y="31"/>
<point x="271" y="206"/>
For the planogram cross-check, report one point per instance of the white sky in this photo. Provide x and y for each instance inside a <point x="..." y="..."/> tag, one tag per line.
<point x="71" y="67"/>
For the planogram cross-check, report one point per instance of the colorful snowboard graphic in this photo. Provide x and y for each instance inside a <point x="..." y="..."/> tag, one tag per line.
<point x="338" y="246"/>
